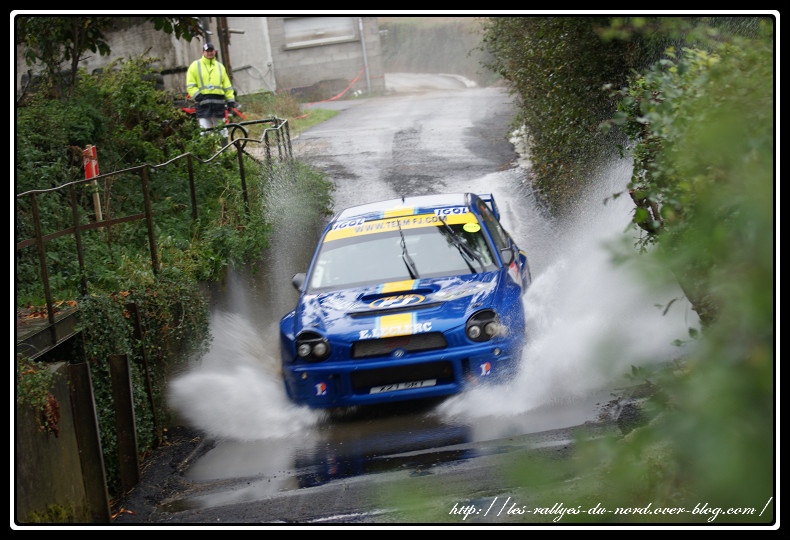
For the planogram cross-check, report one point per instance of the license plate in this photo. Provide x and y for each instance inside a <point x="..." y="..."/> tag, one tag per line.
<point x="402" y="386"/>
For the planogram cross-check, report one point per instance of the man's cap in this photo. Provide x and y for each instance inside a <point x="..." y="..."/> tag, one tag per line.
<point x="208" y="47"/>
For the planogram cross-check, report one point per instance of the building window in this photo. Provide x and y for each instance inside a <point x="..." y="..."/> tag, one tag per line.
<point x="311" y="31"/>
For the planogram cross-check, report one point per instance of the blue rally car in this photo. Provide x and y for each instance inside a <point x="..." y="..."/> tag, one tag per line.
<point x="405" y="299"/>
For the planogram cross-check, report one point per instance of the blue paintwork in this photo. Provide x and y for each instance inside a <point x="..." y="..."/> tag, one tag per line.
<point x="401" y="311"/>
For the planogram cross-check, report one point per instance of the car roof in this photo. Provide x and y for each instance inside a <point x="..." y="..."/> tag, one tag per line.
<point x="403" y="206"/>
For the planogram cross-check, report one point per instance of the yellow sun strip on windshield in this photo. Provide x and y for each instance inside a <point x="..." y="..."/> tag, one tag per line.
<point x="394" y="286"/>
<point x="391" y="224"/>
<point x="398" y="212"/>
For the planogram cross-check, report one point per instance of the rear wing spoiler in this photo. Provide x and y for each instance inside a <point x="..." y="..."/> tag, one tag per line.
<point x="488" y="198"/>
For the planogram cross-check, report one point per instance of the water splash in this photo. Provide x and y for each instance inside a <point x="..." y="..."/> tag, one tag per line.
<point x="589" y="320"/>
<point x="235" y="391"/>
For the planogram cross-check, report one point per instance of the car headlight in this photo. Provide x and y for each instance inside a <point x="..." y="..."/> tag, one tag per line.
<point x="483" y="326"/>
<point x="312" y="347"/>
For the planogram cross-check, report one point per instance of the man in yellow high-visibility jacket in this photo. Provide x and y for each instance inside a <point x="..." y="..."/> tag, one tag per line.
<point x="208" y="83"/>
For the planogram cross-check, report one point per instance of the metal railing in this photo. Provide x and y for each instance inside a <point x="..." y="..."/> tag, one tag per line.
<point x="277" y="135"/>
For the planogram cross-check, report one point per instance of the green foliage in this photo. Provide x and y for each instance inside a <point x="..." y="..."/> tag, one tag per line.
<point x="716" y="173"/>
<point x="267" y="105"/>
<point x="174" y="315"/>
<point x="55" y="40"/>
<point x="34" y="381"/>
<point x="181" y="27"/>
<point x="130" y="123"/>
<point x="704" y="155"/>
<point x="54" y="513"/>
<point x="106" y="331"/>
<point x="558" y="67"/>
<point x="691" y="146"/>
<point x="701" y="123"/>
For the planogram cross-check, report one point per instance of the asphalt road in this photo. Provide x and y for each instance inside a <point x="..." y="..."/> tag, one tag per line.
<point x="244" y="455"/>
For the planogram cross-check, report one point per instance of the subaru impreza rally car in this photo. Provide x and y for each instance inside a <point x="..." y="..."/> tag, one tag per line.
<point x="405" y="299"/>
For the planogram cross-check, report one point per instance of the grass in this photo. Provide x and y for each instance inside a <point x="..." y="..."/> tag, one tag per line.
<point x="285" y="106"/>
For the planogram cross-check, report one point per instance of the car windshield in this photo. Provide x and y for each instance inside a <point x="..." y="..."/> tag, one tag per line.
<point x="401" y="253"/>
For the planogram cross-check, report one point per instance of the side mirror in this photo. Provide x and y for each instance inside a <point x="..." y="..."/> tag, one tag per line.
<point x="298" y="281"/>
<point x="508" y="256"/>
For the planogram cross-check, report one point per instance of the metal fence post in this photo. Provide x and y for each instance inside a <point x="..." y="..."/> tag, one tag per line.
<point x="243" y="178"/>
<point x="192" y="194"/>
<point x="149" y="220"/>
<point x="78" y="239"/>
<point x="139" y="335"/>
<point x="42" y="262"/>
<point x="126" y="432"/>
<point x="86" y="428"/>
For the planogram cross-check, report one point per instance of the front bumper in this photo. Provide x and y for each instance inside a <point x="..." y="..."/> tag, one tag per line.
<point x="388" y="379"/>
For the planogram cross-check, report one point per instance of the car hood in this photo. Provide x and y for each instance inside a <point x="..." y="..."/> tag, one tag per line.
<point x="393" y="309"/>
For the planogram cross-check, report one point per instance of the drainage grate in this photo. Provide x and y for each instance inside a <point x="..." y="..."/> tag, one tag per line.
<point x="368" y="348"/>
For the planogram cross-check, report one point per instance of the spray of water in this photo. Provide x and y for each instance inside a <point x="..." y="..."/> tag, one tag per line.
<point x="236" y="390"/>
<point x="589" y="319"/>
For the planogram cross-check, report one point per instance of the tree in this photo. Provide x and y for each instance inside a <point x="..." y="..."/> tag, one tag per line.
<point x="53" y="41"/>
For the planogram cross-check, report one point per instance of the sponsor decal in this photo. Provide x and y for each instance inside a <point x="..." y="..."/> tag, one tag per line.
<point x="472" y="227"/>
<point x="398" y="300"/>
<point x="399" y="324"/>
<point x="320" y="389"/>
<point x="485" y="369"/>
<point x="513" y="272"/>
<point x="451" y="210"/>
<point x="346" y="229"/>
<point x="350" y="223"/>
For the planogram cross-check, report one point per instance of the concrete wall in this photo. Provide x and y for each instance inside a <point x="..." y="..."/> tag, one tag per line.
<point x="250" y="55"/>
<point x="327" y="68"/>
<point x="47" y="467"/>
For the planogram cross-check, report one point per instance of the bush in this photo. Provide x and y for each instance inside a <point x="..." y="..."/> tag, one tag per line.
<point x="133" y="124"/>
<point x="558" y="67"/>
<point x="701" y="126"/>
<point x="709" y="173"/>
